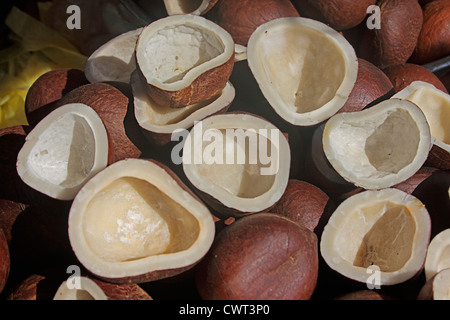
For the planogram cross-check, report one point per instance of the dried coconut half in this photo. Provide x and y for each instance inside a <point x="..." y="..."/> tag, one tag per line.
<point x="386" y="230"/>
<point x="135" y="221"/>
<point x="184" y="59"/>
<point x="380" y="146"/>
<point x="438" y="256"/>
<point x="115" y="60"/>
<point x="196" y="7"/>
<point x="63" y="151"/>
<point x="305" y="69"/>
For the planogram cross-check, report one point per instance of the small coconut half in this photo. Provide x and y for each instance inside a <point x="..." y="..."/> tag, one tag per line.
<point x="184" y="59"/>
<point x="135" y="221"/>
<point x="438" y="256"/>
<point x="386" y="230"/>
<point x="160" y="122"/>
<point x="305" y="69"/>
<point x="437" y="288"/>
<point x="63" y="151"/>
<point x="115" y="60"/>
<point x="435" y="104"/>
<point x="196" y="7"/>
<point x="238" y="162"/>
<point x="380" y="146"/>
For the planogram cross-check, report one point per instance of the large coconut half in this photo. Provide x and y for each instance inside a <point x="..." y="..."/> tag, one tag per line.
<point x="380" y="146"/>
<point x="135" y="221"/>
<point x="63" y="151"/>
<point x="184" y="59"/>
<point x="239" y="162"/>
<point x="305" y="69"/>
<point x="386" y="231"/>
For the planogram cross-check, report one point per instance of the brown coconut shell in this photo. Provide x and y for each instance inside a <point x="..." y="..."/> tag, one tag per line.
<point x="434" y="39"/>
<point x="303" y="203"/>
<point x="261" y="256"/>
<point x="27" y="289"/>
<point x="402" y="75"/>
<point x="363" y="295"/>
<point x="4" y="260"/>
<point x="113" y="104"/>
<point x="339" y="14"/>
<point x="371" y="85"/>
<point x="438" y="158"/>
<point x="241" y="17"/>
<point x="9" y="212"/>
<point x="52" y="86"/>
<point x="395" y="41"/>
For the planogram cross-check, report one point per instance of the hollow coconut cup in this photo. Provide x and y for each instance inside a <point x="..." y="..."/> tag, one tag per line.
<point x="238" y="162"/>
<point x="135" y="222"/>
<point x="435" y="104"/>
<point x="385" y="231"/>
<point x="437" y="254"/>
<point x="378" y="147"/>
<point x="184" y="59"/>
<point x="174" y="7"/>
<point x="305" y="69"/>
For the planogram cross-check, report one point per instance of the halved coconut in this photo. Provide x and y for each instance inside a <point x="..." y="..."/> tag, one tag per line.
<point x="63" y="151"/>
<point x="238" y="162"/>
<point x="160" y="122"/>
<point x="86" y="288"/>
<point x="437" y="288"/>
<point x="115" y="60"/>
<point x="386" y="230"/>
<point x="197" y="7"/>
<point x="438" y="256"/>
<point x="435" y="104"/>
<point x="135" y="221"/>
<point x="184" y="59"/>
<point x="378" y="147"/>
<point x="305" y="69"/>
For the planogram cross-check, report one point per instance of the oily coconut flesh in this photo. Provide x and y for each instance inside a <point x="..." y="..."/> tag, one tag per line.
<point x="305" y="69"/>
<point x="386" y="229"/>
<point x="238" y="162"/>
<point x="184" y="59"/>
<point x="135" y="222"/>
<point x="380" y="146"/>
<point x="63" y="151"/>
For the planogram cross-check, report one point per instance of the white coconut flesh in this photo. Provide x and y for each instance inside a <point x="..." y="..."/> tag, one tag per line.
<point x="133" y="218"/>
<point x="115" y="60"/>
<point x="435" y="104"/>
<point x="196" y="7"/>
<point x="441" y="285"/>
<point x="438" y="256"/>
<point x="172" y="52"/>
<point x="154" y="117"/>
<point x="63" y="151"/>
<point x="86" y="290"/>
<point x="386" y="229"/>
<point x="378" y="147"/>
<point x="305" y="69"/>
<point x="229" y="158"/>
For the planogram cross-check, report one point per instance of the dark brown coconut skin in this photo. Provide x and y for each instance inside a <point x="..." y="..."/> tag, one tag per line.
<point x="339" y="14"/>
<point x="303" y="203"/>
<point x="114" y="108"/>
<point x="262" y="256"/>
<point x="402" y="75"/>
<point x="395" y="41"/>
<point x="4" y="260"/>
<point x="241" y="17"/>
<point x="371" y="85"/>
<point x="52" y="86"/>
<point x="363" y="295"/>
<point x="434" y="38"/>
<point x="204" y="87"/>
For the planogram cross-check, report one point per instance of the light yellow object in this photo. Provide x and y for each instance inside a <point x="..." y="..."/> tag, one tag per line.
<point x="37" y="49"/>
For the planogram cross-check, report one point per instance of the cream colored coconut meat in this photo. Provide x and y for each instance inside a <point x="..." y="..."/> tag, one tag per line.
<point x="121" y="219"/>
<point x="304" y="70"/>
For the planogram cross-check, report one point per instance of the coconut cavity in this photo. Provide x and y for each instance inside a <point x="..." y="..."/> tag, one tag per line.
<point x="131" y="219"/>
<point x="64" y="153"/>
<point x="377" y="146"/>
<point x="173" y="51"/>
<point x="303" y="65"/>
<point x="235" y="161"/>
<point x="378" y="235"/>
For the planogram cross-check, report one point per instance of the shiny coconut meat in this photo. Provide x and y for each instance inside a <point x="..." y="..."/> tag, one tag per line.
<point x="131" y="218"/>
